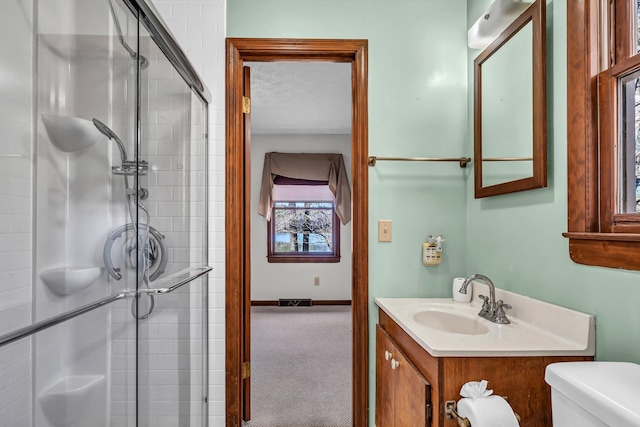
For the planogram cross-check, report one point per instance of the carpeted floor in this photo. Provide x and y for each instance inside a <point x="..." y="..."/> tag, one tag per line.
<point x="301" y="367"/>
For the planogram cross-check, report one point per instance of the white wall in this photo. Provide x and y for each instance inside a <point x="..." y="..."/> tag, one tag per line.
<point x="272" y="281"/>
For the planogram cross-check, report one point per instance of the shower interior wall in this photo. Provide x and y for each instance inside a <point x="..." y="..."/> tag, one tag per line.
<point x="16" y="106"/>
<point x="82" y="71"/>
<point x="72" y="206"/>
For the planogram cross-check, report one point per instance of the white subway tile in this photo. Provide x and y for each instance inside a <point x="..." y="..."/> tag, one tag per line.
<point x="186" y="11"/>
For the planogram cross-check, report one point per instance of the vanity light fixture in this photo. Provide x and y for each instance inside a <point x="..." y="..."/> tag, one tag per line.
<point x="493" y="21"/>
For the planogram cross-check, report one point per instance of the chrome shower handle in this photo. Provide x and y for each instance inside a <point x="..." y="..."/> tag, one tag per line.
<point x="108" y="244"/>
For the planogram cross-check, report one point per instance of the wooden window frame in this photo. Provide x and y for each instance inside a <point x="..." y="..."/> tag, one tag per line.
<point x="302" y="257"/>
<point x="597" y="236"/>
<point x="609" y="104"/>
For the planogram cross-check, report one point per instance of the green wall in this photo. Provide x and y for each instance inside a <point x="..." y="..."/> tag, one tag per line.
<point x="517" y="239"/>
<point x="419" y="105"/>
<point x="417" y="108"/>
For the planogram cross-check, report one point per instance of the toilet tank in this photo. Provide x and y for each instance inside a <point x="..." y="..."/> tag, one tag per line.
<point x="594" y="394"/>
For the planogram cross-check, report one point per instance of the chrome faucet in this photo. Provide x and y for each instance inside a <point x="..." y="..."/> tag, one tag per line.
<point x="491" y="310"/>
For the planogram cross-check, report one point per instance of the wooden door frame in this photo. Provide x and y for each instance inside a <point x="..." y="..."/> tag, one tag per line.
<point x="239" y="50"/>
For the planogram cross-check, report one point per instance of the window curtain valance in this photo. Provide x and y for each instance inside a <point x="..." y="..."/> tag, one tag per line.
<point x="311" y="167"/>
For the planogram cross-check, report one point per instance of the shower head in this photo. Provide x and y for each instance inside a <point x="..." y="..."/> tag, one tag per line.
<point x="106" y="131"/>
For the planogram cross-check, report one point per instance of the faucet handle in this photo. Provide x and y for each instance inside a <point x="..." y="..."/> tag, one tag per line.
<point x="486" y="307"/>
<point x="501" y="304"/>
<point x="501" y="316"/>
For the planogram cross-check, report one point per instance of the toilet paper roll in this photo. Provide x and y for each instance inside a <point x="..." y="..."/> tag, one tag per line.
<point x="491" y="411"/>
<point x="459" y="297"/>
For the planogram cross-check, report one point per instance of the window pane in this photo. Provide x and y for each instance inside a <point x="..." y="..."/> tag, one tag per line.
<point x="303" y="227"/>
<point x="636" y="27"/>
<point x="629" y="147"/>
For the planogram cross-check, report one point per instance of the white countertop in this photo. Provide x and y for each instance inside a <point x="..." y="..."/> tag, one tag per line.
<point x="537" y="328"/>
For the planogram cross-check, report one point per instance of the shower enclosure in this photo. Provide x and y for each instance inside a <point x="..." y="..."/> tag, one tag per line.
<point x="103" y="218"/>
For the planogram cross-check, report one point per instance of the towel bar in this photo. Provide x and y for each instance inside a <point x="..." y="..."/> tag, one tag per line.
<point x="451" y="412"/>
<point x="462" y="160"/>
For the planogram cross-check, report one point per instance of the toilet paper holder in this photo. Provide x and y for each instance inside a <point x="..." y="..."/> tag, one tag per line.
<point x="451" y="413"/>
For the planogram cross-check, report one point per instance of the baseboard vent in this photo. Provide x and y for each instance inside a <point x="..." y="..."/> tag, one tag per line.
<point x="283" y="302"/>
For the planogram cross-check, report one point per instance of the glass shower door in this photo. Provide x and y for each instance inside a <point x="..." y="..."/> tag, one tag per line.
<point x="167" y="193"/>
<point x="103" y="288"/>
<point x="86" y="128"/>
<point x="16" y="181"/>
<point x="172" y="368"/>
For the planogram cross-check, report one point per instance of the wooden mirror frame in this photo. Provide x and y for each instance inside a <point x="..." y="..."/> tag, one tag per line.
<point x="536" y="14"/>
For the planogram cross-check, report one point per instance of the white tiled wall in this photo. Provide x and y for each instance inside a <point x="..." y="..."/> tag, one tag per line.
<point x="15" y="208"/>
<point x="199" y="27"/>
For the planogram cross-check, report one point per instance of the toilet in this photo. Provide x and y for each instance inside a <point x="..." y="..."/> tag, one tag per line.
<point x="594" y="394"/>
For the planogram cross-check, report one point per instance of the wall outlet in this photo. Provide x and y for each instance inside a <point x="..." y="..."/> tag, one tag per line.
<point x="316" y="281"/>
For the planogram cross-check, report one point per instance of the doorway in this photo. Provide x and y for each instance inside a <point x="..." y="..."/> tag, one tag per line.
<point x="237" y="294"/>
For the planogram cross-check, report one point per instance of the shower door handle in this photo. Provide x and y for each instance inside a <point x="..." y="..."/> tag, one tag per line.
<point x="60" y="318"/>
<point x="183" y="277"/>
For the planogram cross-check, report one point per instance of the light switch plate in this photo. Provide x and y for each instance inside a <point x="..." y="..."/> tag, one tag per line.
<point x="384" y="230"/>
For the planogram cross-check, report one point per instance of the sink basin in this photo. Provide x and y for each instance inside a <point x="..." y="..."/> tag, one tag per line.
<point x="451" y="322"/>
<point x="445" y="328"/>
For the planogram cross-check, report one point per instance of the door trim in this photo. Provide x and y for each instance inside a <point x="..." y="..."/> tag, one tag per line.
<point x="239" y="50"/>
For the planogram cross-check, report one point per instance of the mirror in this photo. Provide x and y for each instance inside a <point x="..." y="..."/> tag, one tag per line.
<point x="510" y="132"/>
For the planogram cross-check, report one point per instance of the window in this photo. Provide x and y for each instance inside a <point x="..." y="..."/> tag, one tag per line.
<point x="603" y="124"/>
<point x="629" y="156"/>
<point x="302" y="230"/>
<point x="618" y="114"/>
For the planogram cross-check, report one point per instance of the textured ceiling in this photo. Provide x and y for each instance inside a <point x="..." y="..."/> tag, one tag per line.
<point x="300" y="97"/>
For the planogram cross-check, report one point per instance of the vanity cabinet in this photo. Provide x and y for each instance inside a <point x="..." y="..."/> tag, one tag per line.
<point x="403" y="397"/>
<point x="439" y="379"/>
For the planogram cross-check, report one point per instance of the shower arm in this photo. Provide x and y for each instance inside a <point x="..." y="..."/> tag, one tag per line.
<point x="144" y="63"/>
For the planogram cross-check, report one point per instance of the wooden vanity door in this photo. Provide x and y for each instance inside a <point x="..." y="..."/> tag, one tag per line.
<point x="403" y="395"/>
<point x="384" y="379"/>
<point x="412" y="394"/>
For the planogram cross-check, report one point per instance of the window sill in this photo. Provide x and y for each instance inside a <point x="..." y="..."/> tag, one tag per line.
<point x="612" y="250"/>
<point x="624" y="237"/>
<point x="303" y="259"/>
